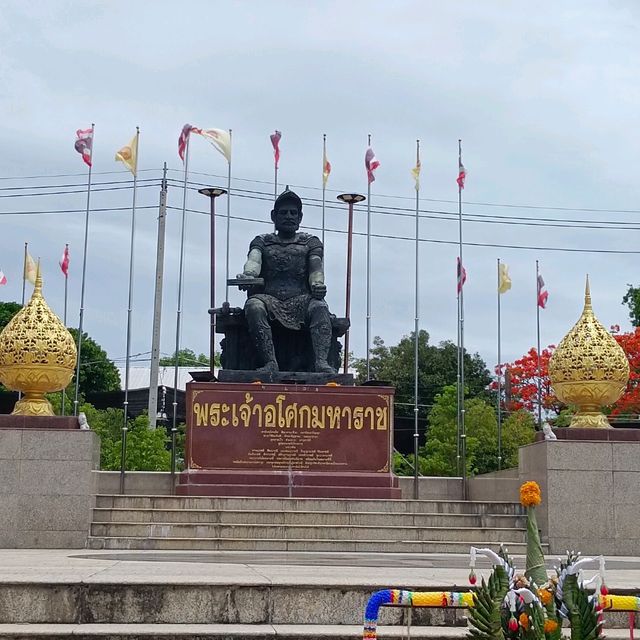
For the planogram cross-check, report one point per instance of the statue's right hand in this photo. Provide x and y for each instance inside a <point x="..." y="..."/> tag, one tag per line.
<point x="244" y="276"/>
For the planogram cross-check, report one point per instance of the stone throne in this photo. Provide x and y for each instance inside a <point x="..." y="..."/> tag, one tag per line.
<point x="293" y="348"/>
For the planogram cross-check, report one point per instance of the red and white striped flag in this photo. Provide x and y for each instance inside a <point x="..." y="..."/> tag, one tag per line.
<point x="371" y="163"/>
<point x="64" y="261"/>
<point x="462" y="274"/>
<point x="543" y="295"/>
<point x="84" y="144"/>
<point x="182" y="140"/>
<point x="275" y="141"/>
<point x="462" y="174"/>
<point x="3" y="278"/>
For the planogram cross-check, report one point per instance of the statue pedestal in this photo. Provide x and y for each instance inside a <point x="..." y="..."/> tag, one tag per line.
<point x="590" y="488"/>
<point x="38" y="422"/>
<point x="281" y="440"/>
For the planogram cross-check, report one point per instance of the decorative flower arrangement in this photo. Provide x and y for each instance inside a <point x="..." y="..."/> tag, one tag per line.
<point x="510" y="606"/>
<point x="513" y="606"/>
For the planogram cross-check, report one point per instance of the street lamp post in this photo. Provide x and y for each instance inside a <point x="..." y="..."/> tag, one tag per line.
<point x="212" y="193"/>
<point x="350" y="199"/>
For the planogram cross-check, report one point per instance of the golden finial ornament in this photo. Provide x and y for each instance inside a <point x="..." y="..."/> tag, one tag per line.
<point x="37" y="355"/>
<point x="589" y="369"/>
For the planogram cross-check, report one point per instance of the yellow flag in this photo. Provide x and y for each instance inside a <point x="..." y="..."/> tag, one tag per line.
<point x="128" y="155"/>
<point x="30" y="268"/>
<point x="504" y="281"/>
<point x="415" y="172"/>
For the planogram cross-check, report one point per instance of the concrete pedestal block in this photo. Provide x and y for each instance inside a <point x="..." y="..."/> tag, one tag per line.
<point x="590" y="494"/>
<point x="47" y="488"/>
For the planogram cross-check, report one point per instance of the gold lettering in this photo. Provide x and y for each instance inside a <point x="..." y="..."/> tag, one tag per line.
<point x="347" y="411"/>
<point x="245" y="409"/>
<point x="382" y="414"/>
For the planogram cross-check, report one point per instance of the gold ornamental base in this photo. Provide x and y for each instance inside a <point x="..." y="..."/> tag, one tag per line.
<point x="590" y="420"/>
<point x="33" y="404"/>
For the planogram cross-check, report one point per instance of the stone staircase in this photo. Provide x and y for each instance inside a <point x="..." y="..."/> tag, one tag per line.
<point x="298" y="524"/>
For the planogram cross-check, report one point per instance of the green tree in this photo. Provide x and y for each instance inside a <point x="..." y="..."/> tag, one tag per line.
<point x="632" y="300"/>
<point x="188" y="358"/>
<point x="146" y="448"/>
<point x="97" y="372"/>
<point x="440" y="450"/>
<point x="438" y="456"/>
<point x="517" y="430"/>
<point x="7" y="311"/>
<point x="437" y="368"/>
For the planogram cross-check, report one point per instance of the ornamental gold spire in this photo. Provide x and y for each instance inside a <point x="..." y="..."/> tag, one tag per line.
<point x="589" y="369"/>
<point x="37" y="354"/>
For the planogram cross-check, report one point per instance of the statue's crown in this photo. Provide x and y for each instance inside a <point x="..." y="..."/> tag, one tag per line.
<point x="288" y="196"/>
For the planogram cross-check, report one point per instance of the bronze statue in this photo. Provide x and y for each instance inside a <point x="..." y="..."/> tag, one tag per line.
<point x="290" y="268"/>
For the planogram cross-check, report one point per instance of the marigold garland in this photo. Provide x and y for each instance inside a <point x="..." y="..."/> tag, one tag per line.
<point x="550" y="626"/>
<point x="545" y="596"/>
<point x="530" y="494"/>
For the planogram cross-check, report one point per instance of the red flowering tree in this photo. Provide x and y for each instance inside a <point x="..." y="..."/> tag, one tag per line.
<point x="629" y="404"/>
<point x="520" y="380"/>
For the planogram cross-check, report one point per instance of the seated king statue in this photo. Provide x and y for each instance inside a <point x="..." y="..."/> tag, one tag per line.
<point x="290" y="263"/>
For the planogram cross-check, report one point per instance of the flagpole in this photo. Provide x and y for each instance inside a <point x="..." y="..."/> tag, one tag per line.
<point x="24" y="285"/>
<point x="416" y="432"/>
<point x="368" y="329"/>
<point x="64" y="319"/>
<point x="24" y="272"/>
<point x="275" y="178"/>
<point x="130" y="298"/>
<point x="458" y="470"/>
<point x="463" y="435"/>
<point x="324" y="182"/>
<point x="84" y="278"/>
<point x="174" y="423"/>
<point x="499" y="369"/>
<point x="226" y="286"/>
<point x="538" y="344"/>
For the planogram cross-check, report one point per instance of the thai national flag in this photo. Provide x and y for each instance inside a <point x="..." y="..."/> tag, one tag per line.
<point x="462" y="275"/>
<point x="542" y="294"/>
<point x="84" y="144"/>
<point x="371" y="163"/>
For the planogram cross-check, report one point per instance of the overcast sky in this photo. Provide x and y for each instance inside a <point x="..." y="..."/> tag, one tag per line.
<point x="544" y="95"/>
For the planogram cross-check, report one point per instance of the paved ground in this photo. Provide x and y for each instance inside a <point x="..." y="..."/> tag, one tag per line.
<point x="424" y="571"/>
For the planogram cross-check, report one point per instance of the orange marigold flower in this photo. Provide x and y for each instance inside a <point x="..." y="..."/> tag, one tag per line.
<point x="523" y="619"/>
<point x="530" y="494"/>
<point x="550" y="626"/>
<point x="545" y="596"/>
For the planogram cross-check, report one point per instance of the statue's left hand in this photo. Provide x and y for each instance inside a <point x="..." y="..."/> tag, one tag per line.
<point x="318" y="290"/>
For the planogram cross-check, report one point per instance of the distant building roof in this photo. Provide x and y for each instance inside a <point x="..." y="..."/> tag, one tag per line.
<point x="139" y="376"/>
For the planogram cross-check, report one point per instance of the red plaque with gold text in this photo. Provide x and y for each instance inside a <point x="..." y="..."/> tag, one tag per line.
<point x="263" y="433"/>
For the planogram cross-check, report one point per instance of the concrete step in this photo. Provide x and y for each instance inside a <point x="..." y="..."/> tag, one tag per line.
<point x="233" y="632"/>
<point x="151" y="600"/>
<point x="309" y="504"/>
<point x="326" y="518"/>
<point x="217" y="632"/>
<point x="275" y="491"/>
<point x="349" y="533"/>
<point x="266" y="544"/>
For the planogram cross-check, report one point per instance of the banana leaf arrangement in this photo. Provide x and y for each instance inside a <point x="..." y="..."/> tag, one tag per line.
<point x="534" y="606"/>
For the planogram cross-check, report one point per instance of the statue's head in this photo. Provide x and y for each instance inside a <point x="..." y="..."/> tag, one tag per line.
<point x="287" y="212"/>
